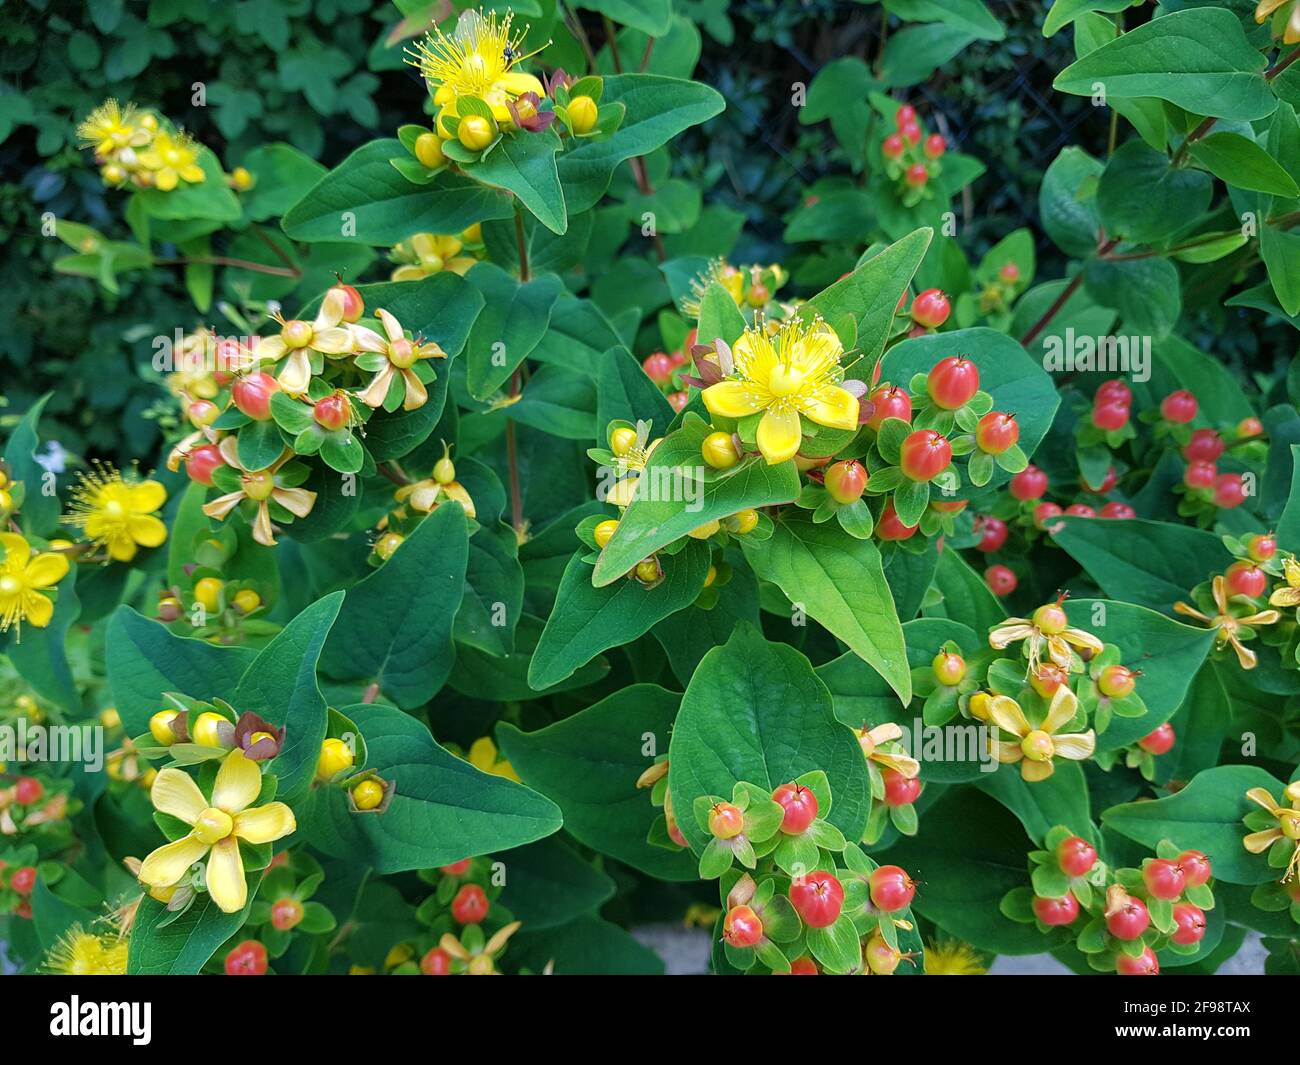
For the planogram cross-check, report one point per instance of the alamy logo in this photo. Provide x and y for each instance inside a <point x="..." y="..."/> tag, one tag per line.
<point x="133" y="1019"/>
<point x="1070" y="353"/>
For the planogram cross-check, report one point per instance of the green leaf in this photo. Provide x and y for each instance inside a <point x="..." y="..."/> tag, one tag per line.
<point x="674" y="470"/>
<point x="652" y="17"/>
<point x="1144" y="291"/>
<point x="1063" y="12"/>
<point x="549" y="884"/>
<point x="395" y="626"/>
<point x="755" y="711"/>
<point x="868" y="297"/>
<point x="658" y="109"/>
<point x="966" y="596"/>
<point x="165" y="945"/>
<point x="588" y="619"/>
<point x="589" y="946"/>
<point x="625" y="393"/>
<point x="211" y="199"/>
<point x="512" y="323"/>
<point x="280" y="685"/>
<point x="969" y="16"/>
<point x="494" y="588"/>
<point x="1061" y="799"/>
<point x="1067" y="202"/>
<point x="144" y="660"/>
<point x="840" y="581"/>
<point x="1152" y="563"/>
<point x="524" y="164"/>
<point x="364" y="200"/>
<point x="1241" y="162"/>
<point x="589" y="763"/>
<point x="442" y="809"/>
<point x="1142" y="198"/>
<point x="719" y="318"/>
<point x="41" y="655"/>
<point x="39" y="515"/>
<point x="1197" y="59"/>
<point x="1206" y="815"/>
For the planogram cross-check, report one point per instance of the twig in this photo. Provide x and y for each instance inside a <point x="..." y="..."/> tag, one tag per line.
<point x="1062" y="299"/>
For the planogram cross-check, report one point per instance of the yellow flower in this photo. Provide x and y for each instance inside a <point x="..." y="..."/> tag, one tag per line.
<point x="1035" y="748"/>
<point x="430" y="253"/>
<point x="173" y="158"/>
<point x="1229" y="629"/>
<point x="795" y="372"/>
<point x="1057" y="637"/>
<point x="700" y="915"/>
<point x="1287" y="595"/>
<point x="1288" y="827"/>
<point x="483" y="961"/>
<point x="952" y="958"/>
<point x="110" y="128"/>
<point x="297" y="337"/>
<point x="81" y="953"/>
<point x="427" y="494"/>
<point x="476" y="59"/>
<point x="259" y="486"/>
<point x="483" y="755"/>
<point x="21" y="580"/>
<point x="216" y="828"/>
<point x="1291" y="28"/>
<point x="895" y="758"/>
<point x="117" y="514"/>
<point x="401" y="355"/>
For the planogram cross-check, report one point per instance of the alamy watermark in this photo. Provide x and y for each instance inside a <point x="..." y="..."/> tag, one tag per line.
<point x="1073" y="353"/>
<point x="24" y="742"/>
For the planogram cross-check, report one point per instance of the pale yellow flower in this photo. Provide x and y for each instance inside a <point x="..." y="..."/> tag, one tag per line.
<point x="401" y="354"/>
<point x="1228" y="627"/>
<point x="261" y="487"/>
<point x="1034" y="748"/>
<point x="299" y="338"/>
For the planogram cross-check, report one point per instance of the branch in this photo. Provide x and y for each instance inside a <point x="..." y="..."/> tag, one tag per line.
<point x="1062" y="299"/>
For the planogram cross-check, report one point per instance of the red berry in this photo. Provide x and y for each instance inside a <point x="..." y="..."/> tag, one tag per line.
<point x="1055" y="912"/>
<point x="286" y="913"/>
<point x="1246" y="578"/>
<point x="893" y="147"/>
<point x="1229" y="490"/>
<point x="1164" y="879"/>
<point x="800" y="806"/>
<point x="459" y="868"/>
<point x="1029" y="483"/>
<point x="252" y="394"/>
<point x="881" y="958"/>
<point x="1001" y="580"/>
<point x="911" y="132"/>
<point x="931" y="309"/>
<point x="817" y="898"/>
<point x="1179" y="407"/>
<point x="1076" y="856"/>
<point x="1129" y="921"/>
<point x="953" y="381"/>
<point x="889" y="402"/>
<point x="1116" y="682"/>
<point x="1107" y="483"/>
<point x="1160" y="741"/>
<point x="678" y="400"/>
<point x="1110" y="416"/>
<point x="992" y="533"/>
<point x="950" y="506"/>
<point x="726" y="820"/>
<point x="1047" y="678"/>
<point x="996" y="432"/>
<point x="201" y="461"/>
<point x="1044" y="513"/>
<point x="203" y="412"/>
<point x="846" y="481"/>
<point x="1261" y="547"/>
<point x="1010" y="273"/>
<point x="247" y="959"/>
<point x="900" y="790"/>
<point x="470" y="905"/>
<point x="935" y="146"/>
<point x="1248" y="427"/>
<point x="1146" y="965"/>
<point x="1191" y="924"/>
<point x="436" y="963"/>
<point x="892" y="889"/>
<point x="1118" y="511"/>
<point x="28" y="790"/>
<point x="333" y="411"/>
<point x="658" y="367"/>
<point x="889" y="527"/>
<point x="1195" y="867"/>
<point x="1200" y="475"/>
<point x="741" y="927"/>
<point x="925" y="454"/>
<point x="1114" y="391"/>
<point x="917" y="174"/>
<point x="804" y="966"/>
<point x="23" y="880"/>
<point x="1080" y="510"/>
<point x="905" y="115"/>
<point x="353" y="305"/>
<point x="1205" y="446"/>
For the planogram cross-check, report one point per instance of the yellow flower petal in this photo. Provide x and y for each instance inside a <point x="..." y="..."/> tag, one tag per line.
<point x="271" y="349"/>
<point x="296" y="374"/>
<point x="1076" y="746"/>
<point x="1033" y="772"/>
<point x="238" y="782"/>
<point x="335" y="341"/>
<point x="416" y="394"/>
<point x="1007" y="634"/>
<point x="297" y="501"/>
<point x="1285" y="597"/>
<point x="1264" y="799"/>
<point x="779" y="435"/>
<point x="1007" y="715"/>
<point x="1064" y="705"/>
<point x="17" y="551"/>
<point x="831" y="406"/>
<point x="226" y="883"/>
<point x="265" y="824"/>
<point x="46" y="570"/>
<point x="516" y="83"/>
<point x="174" y="792"/>
<point x="1008" y="753"/>
<point x="734" y="399"/>
<point x="147" y="496"/>
<point x="146" y="530"/>
<point x="1259" y="842"/>
<point x="169" y="863"/>
<point x="38" y="608"/>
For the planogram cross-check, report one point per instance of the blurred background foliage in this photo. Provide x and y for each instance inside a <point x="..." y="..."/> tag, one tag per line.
<point x="317" y="73"/>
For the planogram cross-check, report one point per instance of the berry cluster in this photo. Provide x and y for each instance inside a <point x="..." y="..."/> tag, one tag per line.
<point x="912" y="158"/>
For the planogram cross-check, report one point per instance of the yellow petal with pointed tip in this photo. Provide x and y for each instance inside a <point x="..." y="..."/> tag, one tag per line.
<point x="779" y="435"/>
<point x="1076" y="746"/>
<point x="46" y="570"/>
<point x="238" y="782"/>
<point x="226" y="883"/>
<point x="831" y="406"/>
<point x="1008" y="716"/>
<point x="1035" y="771"/>
<point x="1063" y="707"/>
<point x="169" y="863"/>
<point x="174" y="792"/>
<point x="265" y="824"/>
<point x="732" y="399"/>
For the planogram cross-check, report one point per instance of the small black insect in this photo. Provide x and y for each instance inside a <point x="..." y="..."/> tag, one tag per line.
<point x="509" y="55"/>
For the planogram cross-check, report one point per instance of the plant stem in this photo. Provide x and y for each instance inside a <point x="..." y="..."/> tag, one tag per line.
<point x="645" y="56"/>
<point x="243" y="264"/>
<point x="1062" y="299"/>
<point x="611" y="36"/>
<point x="522" y="244"/>
<point x="512" y="447"/>
<point x="371" y="693"/>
